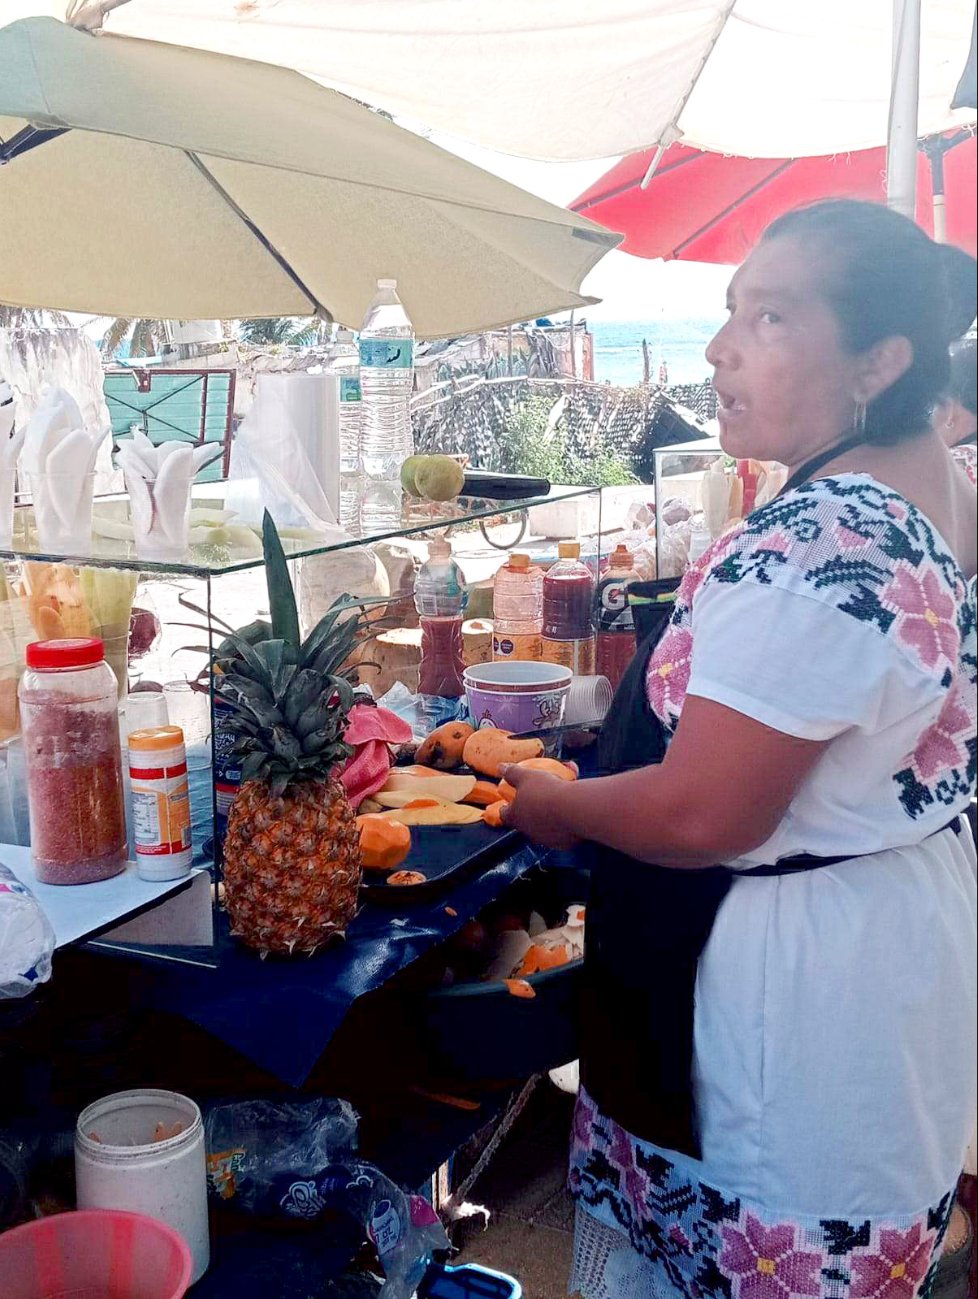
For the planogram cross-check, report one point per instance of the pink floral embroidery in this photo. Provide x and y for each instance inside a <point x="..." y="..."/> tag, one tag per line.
<point x="584" y="1114"/>
<point x="778" y="542"/>
<point x="679" y="1237"/>
<point x="668" y="674"/>
<point x="967" y="458"/>
<point x="634" y="1183"/>
<point x="767" y="1262"/>
<point x="896" y="511"/>
<point x="897" y="1271"/>
<point x="850" y="540"/>
<point x="942" y="746"/>
<point x="926" y="612"/>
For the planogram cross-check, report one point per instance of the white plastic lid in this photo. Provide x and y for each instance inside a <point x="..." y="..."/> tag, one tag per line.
<point x="387" y="284"/>
<point x="344" y="336"/>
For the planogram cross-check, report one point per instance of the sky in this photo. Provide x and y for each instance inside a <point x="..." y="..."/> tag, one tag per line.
<point x="631" y="288"/>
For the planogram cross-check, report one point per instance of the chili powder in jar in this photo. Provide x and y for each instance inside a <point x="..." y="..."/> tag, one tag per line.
<point x="70" y="721"/>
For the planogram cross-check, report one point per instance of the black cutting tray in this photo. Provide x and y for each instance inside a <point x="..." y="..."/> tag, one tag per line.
<point x="444" y="855"/>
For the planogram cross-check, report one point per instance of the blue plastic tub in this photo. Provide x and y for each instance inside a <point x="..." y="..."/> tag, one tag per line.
<point x="469" y="1282"/>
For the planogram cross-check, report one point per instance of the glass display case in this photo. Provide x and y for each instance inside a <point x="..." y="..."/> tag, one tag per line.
<point x="162" y="623"/>
<point x="700" y="493"/>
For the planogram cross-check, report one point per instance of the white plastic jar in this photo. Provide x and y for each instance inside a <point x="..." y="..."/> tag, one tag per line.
<point x="160" y="803"/>
<point x="126" y="1159"/>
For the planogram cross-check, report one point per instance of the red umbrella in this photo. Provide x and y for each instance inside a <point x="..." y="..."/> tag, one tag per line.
<point x="708" y="207"/>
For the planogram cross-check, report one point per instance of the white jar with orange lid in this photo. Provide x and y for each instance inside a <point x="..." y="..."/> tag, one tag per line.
<point x="160" y="803"/>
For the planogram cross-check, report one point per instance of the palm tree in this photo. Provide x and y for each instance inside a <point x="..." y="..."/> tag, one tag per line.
<point x="146" y="337"/>
<point x="28" y="318"/>
<point x="283" y="331"/>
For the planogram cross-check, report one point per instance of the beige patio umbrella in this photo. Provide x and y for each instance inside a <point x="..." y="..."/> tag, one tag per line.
<point x="144" y="179"/>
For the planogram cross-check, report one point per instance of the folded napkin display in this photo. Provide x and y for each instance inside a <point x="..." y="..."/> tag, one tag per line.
<point x="159" y="479"/>
<point x="11" y="441"/>
<point x="59" y="460"/>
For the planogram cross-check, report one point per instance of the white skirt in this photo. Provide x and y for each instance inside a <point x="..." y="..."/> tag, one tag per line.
<point x="835" y="1033"/>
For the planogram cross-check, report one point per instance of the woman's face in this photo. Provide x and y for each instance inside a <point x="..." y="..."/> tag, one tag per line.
<point x="785" y="384"/>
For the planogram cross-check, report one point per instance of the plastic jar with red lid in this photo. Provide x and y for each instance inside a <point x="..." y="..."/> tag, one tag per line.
<point x="69" y="708"/>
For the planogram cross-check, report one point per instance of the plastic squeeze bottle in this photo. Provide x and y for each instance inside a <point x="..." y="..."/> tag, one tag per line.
<point x="616" y="625"/>
<point x="517" y="610"/>
<point x="568" y="602"/>
<point x="440" y="599"/>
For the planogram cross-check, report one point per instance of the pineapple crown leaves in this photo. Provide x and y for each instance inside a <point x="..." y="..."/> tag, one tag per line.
<point x="289" y="720"/>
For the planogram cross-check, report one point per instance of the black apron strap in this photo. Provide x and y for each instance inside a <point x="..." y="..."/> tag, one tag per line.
<point x="811" y="467"/>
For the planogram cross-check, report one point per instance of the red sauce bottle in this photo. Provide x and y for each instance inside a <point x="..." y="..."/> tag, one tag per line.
<point x="568" y="605"/>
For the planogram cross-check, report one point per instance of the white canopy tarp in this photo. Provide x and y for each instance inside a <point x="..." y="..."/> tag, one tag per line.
<point x="575" y="79"/>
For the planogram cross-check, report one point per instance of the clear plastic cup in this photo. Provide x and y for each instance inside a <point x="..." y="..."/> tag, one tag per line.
<point x="63" y="512"/>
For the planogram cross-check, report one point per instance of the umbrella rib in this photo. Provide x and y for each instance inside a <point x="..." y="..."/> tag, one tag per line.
<point x="739" y="201"/>
<point x="617" y="190"/>
<point x="318" y="307"/>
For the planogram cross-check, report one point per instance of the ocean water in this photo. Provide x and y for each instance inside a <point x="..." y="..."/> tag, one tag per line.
<point x="677" y="344"/>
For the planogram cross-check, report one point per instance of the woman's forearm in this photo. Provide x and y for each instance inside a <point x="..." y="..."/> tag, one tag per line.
<point x="640" y="814"/>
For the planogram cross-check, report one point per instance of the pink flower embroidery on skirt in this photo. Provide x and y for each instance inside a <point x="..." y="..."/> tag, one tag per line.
<point x="765" y="1263"/>
<point x="897" y="1271"/>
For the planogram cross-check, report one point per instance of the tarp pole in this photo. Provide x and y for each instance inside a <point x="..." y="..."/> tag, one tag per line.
<point x="901" y="143"/>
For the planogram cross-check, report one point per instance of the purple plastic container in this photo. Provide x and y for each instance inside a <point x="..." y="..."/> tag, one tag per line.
<point x="520" y="697"/>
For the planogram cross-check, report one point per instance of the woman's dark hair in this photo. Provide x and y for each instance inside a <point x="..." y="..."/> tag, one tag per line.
<point x="888" y="278"/>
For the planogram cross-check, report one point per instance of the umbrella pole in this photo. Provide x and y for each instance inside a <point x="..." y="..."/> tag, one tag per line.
<point x="935" y="156"/>
<point x="901" y="142"/>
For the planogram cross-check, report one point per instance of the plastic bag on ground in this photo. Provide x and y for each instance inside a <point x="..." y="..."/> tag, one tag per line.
<point x="295" y="1162"/>
<point x="26" y="939"/>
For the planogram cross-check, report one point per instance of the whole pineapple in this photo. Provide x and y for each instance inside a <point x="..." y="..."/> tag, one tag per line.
<point x="292" y="867"/>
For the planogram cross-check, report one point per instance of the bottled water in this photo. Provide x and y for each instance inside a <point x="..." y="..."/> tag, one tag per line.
<point x="344" y="361"/>
<point x="517" y="610"/>
<point x="386" y="382"/>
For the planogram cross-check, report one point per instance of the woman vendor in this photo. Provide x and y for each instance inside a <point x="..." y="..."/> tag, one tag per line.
<point x="782" y="844"/>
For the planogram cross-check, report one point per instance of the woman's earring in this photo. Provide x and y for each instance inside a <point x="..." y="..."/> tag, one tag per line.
<point x="859" y="417"/>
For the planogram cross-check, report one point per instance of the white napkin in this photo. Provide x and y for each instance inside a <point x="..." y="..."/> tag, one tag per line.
<point x="6" y="412"/>
<point x="59" y="457"/>
<point x="158" y="480"/>
<point x="10" y="447"/>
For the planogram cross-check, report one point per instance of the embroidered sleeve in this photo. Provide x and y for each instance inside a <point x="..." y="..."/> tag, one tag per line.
<point x="801" y="665"/>
<point x="967" y="457"/>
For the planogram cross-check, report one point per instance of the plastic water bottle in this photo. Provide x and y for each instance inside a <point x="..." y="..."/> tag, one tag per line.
<point x="344" y="361"/>
<point x="440" y="599"/>
<point x="386" y="382"/>
<point x="517" y="610"/>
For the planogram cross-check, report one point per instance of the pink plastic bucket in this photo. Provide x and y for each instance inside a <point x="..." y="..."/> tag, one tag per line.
<point x="94" y="1254"/>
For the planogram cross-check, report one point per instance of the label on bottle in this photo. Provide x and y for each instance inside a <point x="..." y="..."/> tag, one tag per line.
<point x="160" y="809"/>
<point x="227" y="766"/>
<point x="350" y="388"/>
<point x="524" y="648"/>
<point x="578" y="655"/>
<point x="386" y="353"/>
<point x="614" y="613"/>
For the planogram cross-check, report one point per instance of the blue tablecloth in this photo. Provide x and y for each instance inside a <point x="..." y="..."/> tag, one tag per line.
<point x="282" y="1014"/>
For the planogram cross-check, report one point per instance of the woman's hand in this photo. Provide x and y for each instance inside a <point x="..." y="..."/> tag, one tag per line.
<point x="537" y="809"/>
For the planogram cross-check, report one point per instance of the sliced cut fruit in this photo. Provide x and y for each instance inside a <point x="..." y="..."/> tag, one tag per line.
<point x="440" y="814"/>
<point x="520" y="988"/>
<point x="484" y="794"/>
<point x="547" y="766"/>
<point x="401" y="878"/>
<point x="450" y="789"/>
